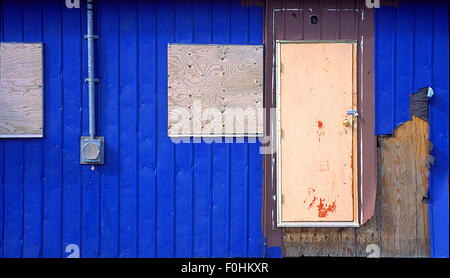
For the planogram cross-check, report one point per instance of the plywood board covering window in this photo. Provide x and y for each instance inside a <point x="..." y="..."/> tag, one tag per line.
<point x="215" y="90"/>
<point x="317" y="137"/>
<point x="21" y="90"/>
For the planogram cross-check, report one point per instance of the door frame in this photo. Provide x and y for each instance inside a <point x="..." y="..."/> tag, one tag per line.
<point x="356" y="138"/>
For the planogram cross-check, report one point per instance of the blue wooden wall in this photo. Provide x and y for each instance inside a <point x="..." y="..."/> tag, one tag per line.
<point x="151" y="198"/>
<point x="412" y="51"/>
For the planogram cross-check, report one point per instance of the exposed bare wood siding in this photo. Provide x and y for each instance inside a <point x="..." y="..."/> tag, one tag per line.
<point x="403" y="178"/>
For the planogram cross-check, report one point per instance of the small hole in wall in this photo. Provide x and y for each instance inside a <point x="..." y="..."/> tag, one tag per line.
<point x="313" y="19"/>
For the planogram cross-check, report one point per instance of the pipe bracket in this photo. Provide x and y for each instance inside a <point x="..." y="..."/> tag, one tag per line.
<point x="95" y="37"/>
<point x="87" y="80"/>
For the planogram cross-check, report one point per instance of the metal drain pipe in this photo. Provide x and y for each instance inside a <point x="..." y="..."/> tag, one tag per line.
<point x="92" y="147"/>
<point x="91" y="70"/>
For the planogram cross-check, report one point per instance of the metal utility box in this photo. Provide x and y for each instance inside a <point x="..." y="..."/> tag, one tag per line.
<point x="92" y="150"/>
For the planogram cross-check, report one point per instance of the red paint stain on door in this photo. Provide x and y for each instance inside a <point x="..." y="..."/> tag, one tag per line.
<point x="325" y="209"/>
<point x="312" y="202"/>
<point x="320" y="130"/>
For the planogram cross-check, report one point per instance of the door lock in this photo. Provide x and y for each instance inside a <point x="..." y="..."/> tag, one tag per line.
<point x="354" y="113"/>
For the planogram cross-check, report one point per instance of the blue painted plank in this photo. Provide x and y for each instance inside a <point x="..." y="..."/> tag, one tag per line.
<point x="72" y="103"/>
<point x="108" y="91"/>
<point x="90" y="226"/>
<point x="256" y="24"/>
<point x="13" y="202"/>
<point x="239" y="153"/>
<point x="14" y="154"/>
<point x="32" y="235"/>
<point x="239" y="22"/>
<point x="403" y="62"/>
<point x="165" y="155"/>
<point x="202" y="200"/>
<point x="53" y="129"/>
<point x="439" y="133"/>
<point x="220" y="22"/>
<point x="12" y="18"/>
<point x="147" y="128"/>
<point x="255" y="173"/>
<point x="384" y="69"/>
<point x="255" y="158"/>
<point x="422" y="46"/>
<point x="202" y="21"/>
<point x="128" y="99"/>
<point x="220" y="152"/>
<point x="90" y="189"/>
<point x="32" y="245"/>
<point x="220" y="226"/>
<point x="238" y="208"/>
<point x="184" y="150"/>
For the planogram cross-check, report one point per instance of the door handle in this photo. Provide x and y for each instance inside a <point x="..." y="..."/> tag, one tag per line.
<point x="346" y="123"/>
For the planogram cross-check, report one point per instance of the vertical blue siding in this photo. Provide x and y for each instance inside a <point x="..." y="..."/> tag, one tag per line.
<point x="72" y="102"/>
<point x="108" y="96"/>
<point x="411" y="48"/>
<point x="151" y="198"/>
<point x="147" y="125"/>
<point x="128" y="97"/>
<point x="439" y="132"/>
<point x="13" y="156"/>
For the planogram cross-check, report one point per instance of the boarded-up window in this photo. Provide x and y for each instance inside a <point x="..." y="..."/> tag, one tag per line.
<point x="20" y="90"/>
<point x="215" y="90"/>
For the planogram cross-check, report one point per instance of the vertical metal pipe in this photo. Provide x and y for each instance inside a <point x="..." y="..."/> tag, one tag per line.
<point x="91" y="60"/>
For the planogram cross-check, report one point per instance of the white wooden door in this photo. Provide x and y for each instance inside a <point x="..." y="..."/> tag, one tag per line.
<point x="316" y="87"/>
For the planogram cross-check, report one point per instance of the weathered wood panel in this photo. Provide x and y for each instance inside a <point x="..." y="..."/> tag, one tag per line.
<point x="399" y="227"/>
<point x="215" y="90"/>
<point x="421" y="142"/>
<point x="21" y="90"/>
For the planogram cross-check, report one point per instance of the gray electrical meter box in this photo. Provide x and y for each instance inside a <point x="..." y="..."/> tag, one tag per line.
<point x="92" y="150"/>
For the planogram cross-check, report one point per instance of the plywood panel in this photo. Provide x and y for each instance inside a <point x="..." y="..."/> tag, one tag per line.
<point x="20" y="90"/>
<point x="398" y="235"/>
<point x="403" y="181"/>
<point x="215" y="90"/>
<point x="420" y="129"/>
<point x="317" y="88"/>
